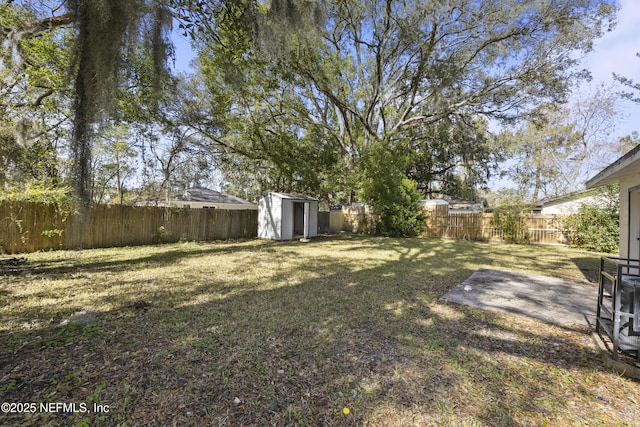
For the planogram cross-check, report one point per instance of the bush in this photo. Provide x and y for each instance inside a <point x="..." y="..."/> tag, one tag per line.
<point x="39" y="192"/>
<point x="35" y="191"/>
<point x="402" y="216"/>
<point x="594" y="229"/>
<point x="393" y="197"/>
<point x="510" y="222"/>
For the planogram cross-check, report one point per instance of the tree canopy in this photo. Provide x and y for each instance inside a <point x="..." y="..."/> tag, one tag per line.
<point x="290" y="95"/>
<point x="355" y="74"/>
<point x="559" y="146"/>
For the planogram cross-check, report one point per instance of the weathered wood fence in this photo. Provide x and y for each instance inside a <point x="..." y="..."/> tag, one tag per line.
<point x="29" y="227"/>
<point x="537" y="228"/>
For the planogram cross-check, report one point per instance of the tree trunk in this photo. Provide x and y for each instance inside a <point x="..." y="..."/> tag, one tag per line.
<point x="81" y="150"/>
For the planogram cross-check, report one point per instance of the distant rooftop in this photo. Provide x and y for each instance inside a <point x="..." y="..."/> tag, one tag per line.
<point x="568" y="196"/>
<point x="199" y="194"/>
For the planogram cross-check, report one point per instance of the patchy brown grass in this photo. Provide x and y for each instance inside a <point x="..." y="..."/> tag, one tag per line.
<point x="268" y="333"/>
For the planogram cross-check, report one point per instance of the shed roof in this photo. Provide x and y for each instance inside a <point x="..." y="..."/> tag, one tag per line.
<point x="199" y="194"/>
<point x="626" y="165"/>
<point x="298" y="197"/>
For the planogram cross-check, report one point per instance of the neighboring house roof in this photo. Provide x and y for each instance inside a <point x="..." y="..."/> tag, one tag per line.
<point x="566" y="197"/>
<point x="465" y="205"/>
<point x="198" y="194"/>
<point x="572" y="202"/>
<point x="628" y="164"/>
<point x="433" y="202"/>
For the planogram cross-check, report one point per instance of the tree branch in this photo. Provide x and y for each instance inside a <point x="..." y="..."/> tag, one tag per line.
<point x="32" y="28"/>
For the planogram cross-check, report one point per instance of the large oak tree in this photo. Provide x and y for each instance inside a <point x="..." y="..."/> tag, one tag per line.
<point x="359" y="75"/>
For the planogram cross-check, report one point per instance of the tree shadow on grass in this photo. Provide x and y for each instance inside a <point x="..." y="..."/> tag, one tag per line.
<point x="86" y="261"/>
<point x="589" y="266"/>
<point x="309" y="338"/>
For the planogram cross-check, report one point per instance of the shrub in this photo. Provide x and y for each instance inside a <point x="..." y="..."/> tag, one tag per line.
<point x="510" y="223"/>
<point x="161" y="235"/>
<point x="594" y="229"/>
<point x="36" y="191"/>
<point x="393" y="197"/>
<point x="401" y="216"/>
<point x="40" y="192"/>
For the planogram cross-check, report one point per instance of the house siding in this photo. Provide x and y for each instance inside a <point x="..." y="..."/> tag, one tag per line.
<point x="572" y="206"/>
<point x="625" y="171"/>
<point x="202" y="205"/>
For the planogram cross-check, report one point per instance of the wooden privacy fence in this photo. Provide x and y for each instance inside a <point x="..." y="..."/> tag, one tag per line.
<point x="536" y="228"/>
<point x="29" y="227"/>
<point x="439" y="222"/>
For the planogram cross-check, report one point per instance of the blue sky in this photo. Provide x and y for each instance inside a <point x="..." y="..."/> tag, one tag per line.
<point x="183" y="52"/>
<point x="616" y="53"/>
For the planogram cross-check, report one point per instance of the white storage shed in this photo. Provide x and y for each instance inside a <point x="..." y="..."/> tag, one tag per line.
<point x="286" y="217"/>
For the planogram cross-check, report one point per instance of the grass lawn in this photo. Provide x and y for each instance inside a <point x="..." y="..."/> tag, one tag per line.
<point x="272" y="333"/>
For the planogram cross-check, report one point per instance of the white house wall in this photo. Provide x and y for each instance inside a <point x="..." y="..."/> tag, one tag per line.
<point x="625" y="171"/>
<point x="573" y="206"/>
<point x="270" y="217"/>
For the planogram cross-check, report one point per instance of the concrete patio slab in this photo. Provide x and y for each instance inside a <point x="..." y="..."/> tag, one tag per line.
<point x="548" y="299"/>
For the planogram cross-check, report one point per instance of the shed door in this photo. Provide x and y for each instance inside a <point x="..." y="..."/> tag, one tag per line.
<point x="298" y="219"/>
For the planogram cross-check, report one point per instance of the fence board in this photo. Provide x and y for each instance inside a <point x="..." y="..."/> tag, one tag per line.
<point x="439" y="222"/>
<point x="540" y="228"/>
<point x="27" y="227"/>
